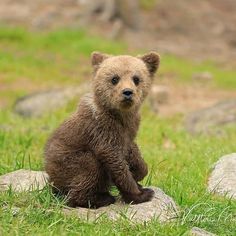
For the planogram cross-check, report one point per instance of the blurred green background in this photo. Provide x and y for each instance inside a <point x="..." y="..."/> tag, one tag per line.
<point x="46" y="45"/>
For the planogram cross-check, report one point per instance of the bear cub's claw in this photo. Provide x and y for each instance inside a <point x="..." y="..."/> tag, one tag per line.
<point x="145" y="195"/>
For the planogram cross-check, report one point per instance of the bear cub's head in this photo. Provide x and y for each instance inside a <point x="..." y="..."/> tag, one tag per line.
<point x="122" y="82"/>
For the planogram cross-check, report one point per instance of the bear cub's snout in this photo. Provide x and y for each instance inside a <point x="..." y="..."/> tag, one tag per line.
<point x="127" y="93"/>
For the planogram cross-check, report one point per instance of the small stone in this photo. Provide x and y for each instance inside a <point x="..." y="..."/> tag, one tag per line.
<point x="222" y="180"/>
<point x="161" y="207"/>
<point x="14" y="210"/>
<point x="23" y="180"/>
<point x="195" y="231"/>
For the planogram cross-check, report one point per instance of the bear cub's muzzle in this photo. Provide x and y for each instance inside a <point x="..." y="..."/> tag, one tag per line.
<point x="127" y="94"/>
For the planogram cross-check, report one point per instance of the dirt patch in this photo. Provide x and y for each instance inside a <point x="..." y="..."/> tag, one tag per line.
<point x="196" y="29"/>
<point x="200" y="30"/>
<point x="38" y="14"/>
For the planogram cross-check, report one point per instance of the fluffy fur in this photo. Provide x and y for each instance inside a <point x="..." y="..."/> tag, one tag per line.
<point x="95" y="148"/>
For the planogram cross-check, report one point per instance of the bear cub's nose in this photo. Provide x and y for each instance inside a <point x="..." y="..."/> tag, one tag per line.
<point x="127" y="93"/>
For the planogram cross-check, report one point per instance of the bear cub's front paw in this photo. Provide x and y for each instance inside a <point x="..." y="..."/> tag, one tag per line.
<point x="145" y="195"/>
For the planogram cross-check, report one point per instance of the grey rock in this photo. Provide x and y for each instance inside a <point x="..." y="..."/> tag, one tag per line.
<point x="222" y="180"/>
<point x="161" y="207"/>
<point x="37" y="104"/>
<point x="14" y="210"/>
<point x="23" y="180"/>
<point x="212" y="119"/>
<point x="195" y="231"/>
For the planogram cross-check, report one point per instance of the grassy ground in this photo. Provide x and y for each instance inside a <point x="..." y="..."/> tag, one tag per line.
<point x="32" y="61"/>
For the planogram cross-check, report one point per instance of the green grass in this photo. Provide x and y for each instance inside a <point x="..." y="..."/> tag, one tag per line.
<point x="147" y="4"/>
<point x="184" y="70"/>
<point x="62" y="58"/>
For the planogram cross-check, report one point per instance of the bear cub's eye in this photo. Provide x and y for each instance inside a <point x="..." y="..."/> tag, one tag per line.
<point x="115" y="79"/>
<point x="136" y="80"/>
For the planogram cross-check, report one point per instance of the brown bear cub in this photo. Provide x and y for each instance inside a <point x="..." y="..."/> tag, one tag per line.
<point x="95" y="148"/>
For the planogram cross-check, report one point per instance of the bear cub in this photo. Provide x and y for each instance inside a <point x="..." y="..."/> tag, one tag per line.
<point x="95" y="148"/>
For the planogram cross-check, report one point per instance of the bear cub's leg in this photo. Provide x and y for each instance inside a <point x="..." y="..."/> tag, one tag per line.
<point x="139" y="170"/>
<point x="90" y="187"/>
<point x="137" y="165"/>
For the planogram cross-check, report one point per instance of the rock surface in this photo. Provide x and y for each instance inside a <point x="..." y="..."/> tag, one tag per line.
<point x="211" y="119"/>
<point x="195" y="231"/>
<point x="37" y="104"/>
<point x="161" y="207"/>
<point x="23" y="180"/>
<point x="222" y="180"/>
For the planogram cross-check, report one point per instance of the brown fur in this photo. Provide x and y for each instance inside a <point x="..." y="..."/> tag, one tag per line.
<point x="95" y="147"/>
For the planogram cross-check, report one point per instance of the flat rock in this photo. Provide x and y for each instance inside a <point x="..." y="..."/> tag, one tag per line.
<point x="23" y="180"/>
<point x="222" y="180"/>
<point x="195" y="231"/>
<point x="161" y="207"/>
<point x="37" y="104"/>
<point x="212" y="119"/>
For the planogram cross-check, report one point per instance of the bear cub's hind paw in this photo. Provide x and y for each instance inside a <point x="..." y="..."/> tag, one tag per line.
<point x="104" y="199"/>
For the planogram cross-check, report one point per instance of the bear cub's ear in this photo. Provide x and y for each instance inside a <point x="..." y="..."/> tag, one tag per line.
<point x="97" y="58"/>
<point x="152" y="61"/>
